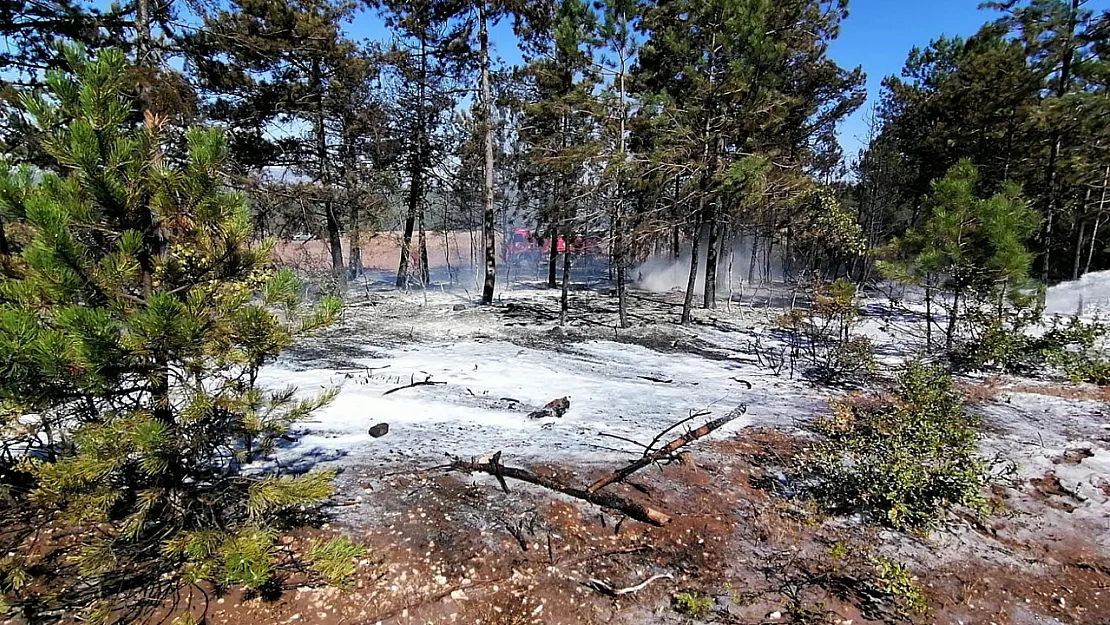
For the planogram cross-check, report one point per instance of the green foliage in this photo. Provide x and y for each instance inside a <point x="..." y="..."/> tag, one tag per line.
<point x="1017" y="343"/>
<point x="970" y="248"/>
<point x="827" y="226"/>
<point x="693" y="604"/>
<point x="335" y="560"/>
<point x="822" y="337"/>
<point x="907" y="459"/>
<point x="894" y="578"/>
<point x="132" y="332"/>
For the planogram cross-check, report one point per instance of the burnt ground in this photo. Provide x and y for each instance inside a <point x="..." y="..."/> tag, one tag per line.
<point x="450" y="548"/>
<point x="447" y="547"/>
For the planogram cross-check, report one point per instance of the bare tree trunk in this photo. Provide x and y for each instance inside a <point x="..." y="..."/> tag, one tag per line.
<point x="709" y="298"/>
<point x="692" y="282"/>
<point x="5" y="249"/>
<point x="1098" y="218"/>
<point x="1094" y="238"/>
<point x="488" y="216"/>
<point x="335" y="237"/>
<point x="564" y="299"/>
<point x="335" y="243"/>
<point x="953" y="318"/>
<point x="406" y="236"/>
<point x="354" y="241"/>
<point x="142" y="33"/>
<point x="1054" y="152"/>
<point x="425" y="271"/>
<point x="552" y="255"/>
<point x="1079" y="248"/>
<point x="676" y="248"/>
<point x="620" y="254"/>
<point x="928" y="314"/>
<point x="754" y="257"/>
<point x="768" y="254"/>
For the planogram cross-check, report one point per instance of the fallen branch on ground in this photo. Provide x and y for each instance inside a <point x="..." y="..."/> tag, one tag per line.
<point x="608" y="589"/>
<point x="413" y="383"/>
<point x="642" y="513"/>
<point x="666" y="450"/>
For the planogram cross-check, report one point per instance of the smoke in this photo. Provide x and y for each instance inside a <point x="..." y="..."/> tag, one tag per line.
<point x="660" y="273"/>
<point x="1089" y="295"/>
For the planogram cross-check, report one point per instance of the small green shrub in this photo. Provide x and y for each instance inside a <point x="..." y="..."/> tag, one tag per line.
<point x="336" y="560"/>
<point x="1069" y="345"/>
<point x="822" y="337"/>
<point x="693" y="605"/>
<point x="897" y="580"/>
<point x="907" y="459"/>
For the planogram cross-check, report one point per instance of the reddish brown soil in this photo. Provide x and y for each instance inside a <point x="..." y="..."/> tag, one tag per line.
<point x="382" y="251"/>
<point x="446" y="548"/>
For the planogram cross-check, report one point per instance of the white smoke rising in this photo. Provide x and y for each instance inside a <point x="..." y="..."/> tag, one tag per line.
<point x="1087" y="296"/>
<point x="660" y="274"/>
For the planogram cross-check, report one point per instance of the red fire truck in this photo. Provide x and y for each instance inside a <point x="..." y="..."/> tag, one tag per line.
<point x="525" y="247"/>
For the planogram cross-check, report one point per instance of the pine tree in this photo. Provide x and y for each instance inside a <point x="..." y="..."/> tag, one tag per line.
<point x="617" y="37"/>
<point x="135" y="316"/>
<point x="427" y="58"/>
<point x="264" y="64"/>
<point x="974" y="249"/>
<point x="559" y="124"/>
<point x="725" y="81"/>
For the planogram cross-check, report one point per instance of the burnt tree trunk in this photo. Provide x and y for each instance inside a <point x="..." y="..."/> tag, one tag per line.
<point x="692" y="282"/>
<point x="488" y="221"/>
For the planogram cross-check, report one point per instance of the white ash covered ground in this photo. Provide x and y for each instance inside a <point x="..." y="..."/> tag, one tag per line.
<point x="1041" y="559"/>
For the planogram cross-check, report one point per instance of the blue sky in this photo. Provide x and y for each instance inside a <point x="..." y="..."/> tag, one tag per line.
<point x="877" y="35"/>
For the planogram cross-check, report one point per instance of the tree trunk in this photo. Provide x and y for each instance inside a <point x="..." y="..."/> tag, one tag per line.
<point x="487" y="184"/>
<point x="1079" y="248"/>
<point x="338" y="269"/>
<point x="425" y="270"/>
<point x="354" y="241"/>
<point x="416" y="173"/>
<point x="335" y="243"/>
<point x="676" y="248"/>
<point x="953" y="318"/>
<point x="406" y="238"/>
<point x="691" y="283"/>
<point x="142" y="34"/>
<point x="620" y="253"/>
<point x="709" y="298"/>
<point x="1094" y="237"/>
<point x="5" y="250"/>
<point x="928" y="315"/>
<point x="552" y="253"/>
<point x="1054" y="152"/>
<point x="1098" y="218"/>
<point x="754" y="257"/>
<point x="564" y="299"/>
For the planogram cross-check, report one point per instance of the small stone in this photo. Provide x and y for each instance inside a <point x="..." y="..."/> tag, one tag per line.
<point x="458" y="307"/>
<point x="379" y="430"/>
<point x="458" y="595"/>
<point x="774" y="616"/>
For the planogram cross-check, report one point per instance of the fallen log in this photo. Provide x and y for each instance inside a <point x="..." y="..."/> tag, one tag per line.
<point x="639" y="512"/>
<point x="665" y="451"/>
